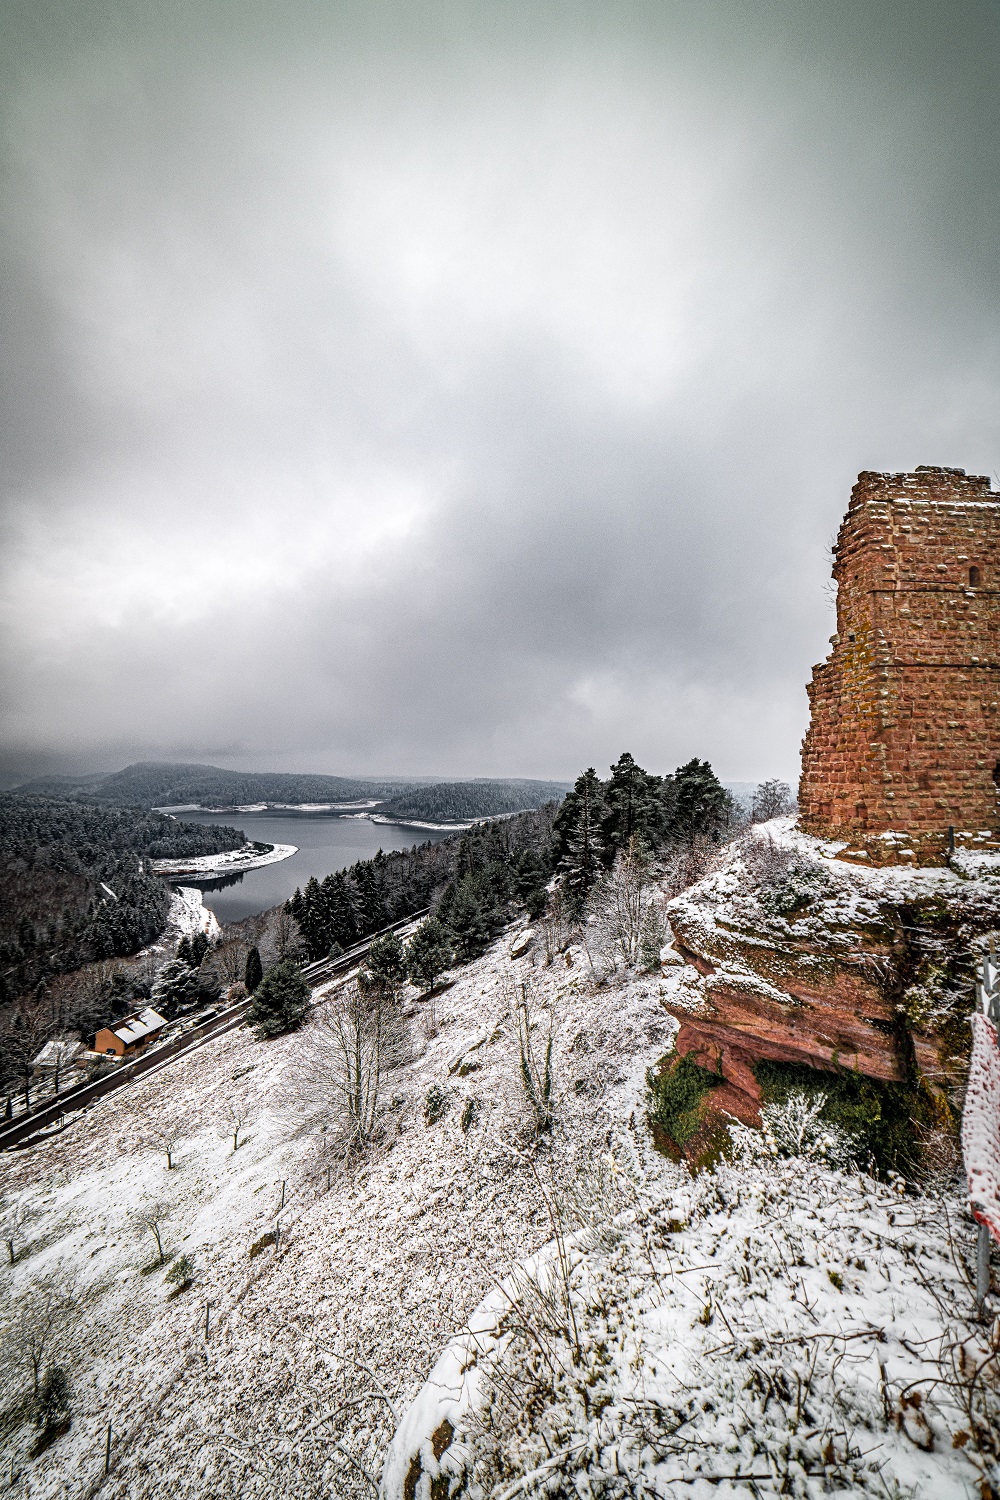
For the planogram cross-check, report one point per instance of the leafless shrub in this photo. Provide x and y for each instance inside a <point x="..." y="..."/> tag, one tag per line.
<point x="43" y="1313"/>
<point x="361" y="1033"/>
<point x="685" y="865"/>
<point x="764" y="860"/>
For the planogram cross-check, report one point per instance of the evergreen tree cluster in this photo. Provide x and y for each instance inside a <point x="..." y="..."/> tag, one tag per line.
<point x="459" y="801"/>
<point x="477" y="874"/>
<point x="598" y="818"/>
<point x="75" y="885"/>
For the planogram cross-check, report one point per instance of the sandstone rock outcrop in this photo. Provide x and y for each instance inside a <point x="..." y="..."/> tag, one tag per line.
<point x="795" y="956"/>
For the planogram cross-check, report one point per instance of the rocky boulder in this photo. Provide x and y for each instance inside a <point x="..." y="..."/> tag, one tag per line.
<point x="794" y="955"/>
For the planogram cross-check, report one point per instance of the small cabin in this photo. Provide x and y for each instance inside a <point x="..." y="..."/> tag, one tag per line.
<point x="130" y="1035"/>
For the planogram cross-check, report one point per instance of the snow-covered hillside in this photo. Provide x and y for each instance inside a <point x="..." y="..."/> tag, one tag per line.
<point x="373" y="1273"/>
<point x="756" y="1321"/>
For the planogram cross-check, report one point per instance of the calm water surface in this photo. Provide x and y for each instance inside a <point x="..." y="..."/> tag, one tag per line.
<point x="325" y="843"/>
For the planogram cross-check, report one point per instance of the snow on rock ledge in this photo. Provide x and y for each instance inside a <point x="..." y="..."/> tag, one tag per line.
<point x="805" y="958"/>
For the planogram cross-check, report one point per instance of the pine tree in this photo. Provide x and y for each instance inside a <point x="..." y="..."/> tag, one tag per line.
<point x="280" y="1002"/>
<point x="254" y="971"/>
<point x="634" y="806"/>
<point x="428" y="953"/>
<point x="583" y="862"/>
<point x="702" y="805"/>
<point x="470" y="924"/>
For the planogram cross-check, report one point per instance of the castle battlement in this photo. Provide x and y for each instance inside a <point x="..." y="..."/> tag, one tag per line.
<point x="904" y="738"/>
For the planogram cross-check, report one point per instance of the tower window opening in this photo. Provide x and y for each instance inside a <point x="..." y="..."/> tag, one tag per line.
<point x="996" y="774"/>
<point x="974" y="577"/>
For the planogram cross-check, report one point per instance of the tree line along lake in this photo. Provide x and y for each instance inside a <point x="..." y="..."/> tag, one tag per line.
<point x="326" y="841"/>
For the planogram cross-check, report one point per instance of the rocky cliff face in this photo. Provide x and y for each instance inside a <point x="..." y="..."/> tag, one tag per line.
<point x="795" y="956"/>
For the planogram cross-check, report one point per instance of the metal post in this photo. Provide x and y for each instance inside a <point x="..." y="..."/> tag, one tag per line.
<point x="982" y="1266"/>
<point x="107" y="1452"/>
<point x="282" y="1204"/>
<point x="208" y="1306"/>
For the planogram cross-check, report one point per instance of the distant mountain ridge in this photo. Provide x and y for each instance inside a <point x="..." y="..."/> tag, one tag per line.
<point x="149" y="784"/>
<point x="460" y="801"/>
<point x="167" y="784"/>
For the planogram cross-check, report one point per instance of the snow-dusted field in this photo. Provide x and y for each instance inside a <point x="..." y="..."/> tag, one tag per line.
<point x="379" y="1270"/>
<point x="769" y="1323"/>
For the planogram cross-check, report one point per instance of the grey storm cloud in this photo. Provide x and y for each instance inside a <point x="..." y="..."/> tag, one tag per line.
<point x="470" y="389"/>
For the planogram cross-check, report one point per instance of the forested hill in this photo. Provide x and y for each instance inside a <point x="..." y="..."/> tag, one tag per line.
<point x="462" y="801"/>
<point x="73" y="886"/>
<point x="163" y="784"/>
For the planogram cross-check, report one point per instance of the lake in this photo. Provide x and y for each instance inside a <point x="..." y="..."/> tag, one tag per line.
<point x="325" y="842"/>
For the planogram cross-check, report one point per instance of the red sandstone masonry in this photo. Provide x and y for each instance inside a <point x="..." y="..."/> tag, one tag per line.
<point x="905" y="727"/>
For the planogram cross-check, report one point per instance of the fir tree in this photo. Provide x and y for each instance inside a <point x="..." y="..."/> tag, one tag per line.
<point x="428" y="953"/>
<point x="469" y="923"/>
<point x="583" y="862"/>
<point x="280" y="1002"/>
<point x="253" y="973"/>
<point x="386" y="962"/>
<point x="176" y="985"/>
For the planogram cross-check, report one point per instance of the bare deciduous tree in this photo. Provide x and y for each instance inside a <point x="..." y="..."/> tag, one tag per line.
<point x="235" y="1118"/>
<point x="229" y="959"/>
<point x="14" y="1215"/>
<point x="361" y="1035"/>
<point x="283" y="938"/>
<point x="618" y="908"/>
<point x="152" y="1217"/>
<point x="165" y="1136"/>
<point x="44" y="1310"/>
<point x="772" y="799"/>
<point x="531" y="1015"/>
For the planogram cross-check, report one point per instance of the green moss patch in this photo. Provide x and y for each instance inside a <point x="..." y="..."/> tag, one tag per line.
<point x="677" y="1098"/>
<point x="883" y="1118"/>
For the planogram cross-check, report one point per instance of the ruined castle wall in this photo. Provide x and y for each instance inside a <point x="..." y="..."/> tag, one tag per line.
<point x="905" y="725"/>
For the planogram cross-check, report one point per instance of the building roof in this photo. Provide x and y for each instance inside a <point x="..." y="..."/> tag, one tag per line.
<point x="58" y="1052"/>
<point x="134" y="1028"/>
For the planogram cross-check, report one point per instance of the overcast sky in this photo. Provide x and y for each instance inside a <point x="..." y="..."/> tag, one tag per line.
<point x="472" y="390"/>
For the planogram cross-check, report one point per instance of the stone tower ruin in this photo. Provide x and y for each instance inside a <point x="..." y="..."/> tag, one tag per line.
<point x="902" y="753"/>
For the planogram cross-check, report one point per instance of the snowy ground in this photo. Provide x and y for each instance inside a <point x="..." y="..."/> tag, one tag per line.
<point x="774" y="1328"/>
<point x="379" y="1270"/>
<point x="230" y="862"/>
<point x="740" y="1317"/>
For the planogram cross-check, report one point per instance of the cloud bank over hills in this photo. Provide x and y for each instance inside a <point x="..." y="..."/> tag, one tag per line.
<point x="468" y="393"/>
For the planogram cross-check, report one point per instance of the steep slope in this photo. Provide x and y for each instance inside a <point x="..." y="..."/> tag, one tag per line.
<point x="370" y="1275"/>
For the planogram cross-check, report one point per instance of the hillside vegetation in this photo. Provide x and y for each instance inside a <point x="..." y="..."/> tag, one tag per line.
<point x="74" y="886"/>
<point x="461" y="801"/>
<point x="163" y="784"/>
